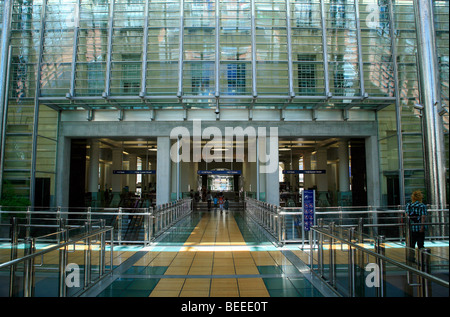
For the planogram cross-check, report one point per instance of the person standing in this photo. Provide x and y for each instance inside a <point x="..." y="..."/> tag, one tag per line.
<point x="221" y="201"/>
<point x="416" y="211"/>
<point x="209" y="199"/>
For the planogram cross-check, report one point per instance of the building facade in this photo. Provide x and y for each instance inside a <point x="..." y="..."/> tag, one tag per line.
<point x="349" y="97"/>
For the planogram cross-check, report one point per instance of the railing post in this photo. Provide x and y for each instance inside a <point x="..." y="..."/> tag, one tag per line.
<point x="380" y="249"/>
<point x="102" y="247"/>
<point x="311" y="250"/>
<point x="87" y="258"/>
<point x="424" y="264"/>
<point x="14" y="234"/>
<point x="28" y="274"/>
<point x="62" y="292"/>
<point x="351" y="264"/>
<point x="119" y="227"/>
<point x="332" y="255"/>
<point x="320" y="248"/>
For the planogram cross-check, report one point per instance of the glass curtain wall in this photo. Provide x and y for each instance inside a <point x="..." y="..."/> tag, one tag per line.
<point x="130" y="49"/>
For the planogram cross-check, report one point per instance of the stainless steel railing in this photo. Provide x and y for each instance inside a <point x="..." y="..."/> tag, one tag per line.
<point x="349" y="274"/>
<point x="286" y="223"/>
<point x="87" y="238"/>
<point x="132" y="225"/>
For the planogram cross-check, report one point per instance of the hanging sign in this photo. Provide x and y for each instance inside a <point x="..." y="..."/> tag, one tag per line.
<point x="224" y="172"/>
<point x="304" y="172"/>
<point x="128" y="172"/>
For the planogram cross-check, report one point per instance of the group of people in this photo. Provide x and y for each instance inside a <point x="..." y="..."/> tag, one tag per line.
<point x="218" y="200"/>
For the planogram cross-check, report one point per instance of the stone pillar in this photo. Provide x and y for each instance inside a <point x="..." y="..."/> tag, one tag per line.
<point x="322" y="179"/>
<point x="132" y="177"/>
<point x="94" y="157"/>
<point x="307" y="178"/>
<point x="344" y="194"/>
<point x="163" y="171"/>
<point x="272" y="181"/>
<point x="116" y="180"/>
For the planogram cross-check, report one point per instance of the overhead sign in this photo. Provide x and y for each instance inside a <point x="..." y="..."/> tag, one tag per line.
<point x="308" y="209"/>
<point x="304" y="172"/>
<point x="127" y="172"/>
<point x="224" y="172"/>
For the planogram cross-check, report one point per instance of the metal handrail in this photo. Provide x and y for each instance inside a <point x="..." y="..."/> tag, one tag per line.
<point x="55" y="247"/>
<point x="384" y="258"/>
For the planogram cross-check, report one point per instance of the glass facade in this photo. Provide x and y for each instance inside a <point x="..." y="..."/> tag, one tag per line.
<point x="203" y="54"/>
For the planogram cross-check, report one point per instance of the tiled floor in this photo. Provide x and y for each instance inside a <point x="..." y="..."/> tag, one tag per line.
<point x="221" y="257"/>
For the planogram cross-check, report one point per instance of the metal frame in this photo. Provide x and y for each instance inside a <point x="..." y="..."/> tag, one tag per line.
<point x="37" y="104"/>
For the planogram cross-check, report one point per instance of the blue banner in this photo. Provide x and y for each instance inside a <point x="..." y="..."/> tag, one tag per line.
<point x="308" y="209"/>
<point x="304" y="172"/>
<point x="225" y="172"/>
<point x="127" y="172"/>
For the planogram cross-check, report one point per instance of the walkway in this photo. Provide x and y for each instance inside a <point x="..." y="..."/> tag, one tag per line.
<point x="211" y="254"/>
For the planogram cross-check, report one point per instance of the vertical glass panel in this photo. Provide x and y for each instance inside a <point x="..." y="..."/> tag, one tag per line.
<point x="25" y="42"/>
<point x="199" y="13"/>
<point x="126" y="66"/>
<point x="307" y="47"/>
<point x="376" y="48"/>
<point x="92" y="48"/>
<point x="235" y="78"/>
<point x="198" y="78"/>
<point x="272" y="75"/>
<point x="58" y="47"/>
<point x="342" y="47"/>
<point x="46" y="156"/>
<point x="163" y="47"/>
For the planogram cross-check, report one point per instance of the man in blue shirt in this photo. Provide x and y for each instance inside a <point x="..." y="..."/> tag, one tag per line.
<point x="417" y="212"/>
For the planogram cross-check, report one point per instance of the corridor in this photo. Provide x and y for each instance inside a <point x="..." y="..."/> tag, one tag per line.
<point x="210" y="254"/>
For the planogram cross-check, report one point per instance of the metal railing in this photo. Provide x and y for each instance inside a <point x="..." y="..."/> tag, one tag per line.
<point x="286" y="223"/>
<point x="63" y="263"/>
<point x="57" y="237"/>
<point x="132" y="225"/>
<point x="358" y="266"/>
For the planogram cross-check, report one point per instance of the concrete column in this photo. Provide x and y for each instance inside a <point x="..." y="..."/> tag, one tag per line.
<point x="372" y="172"/>
<point x="307" y="178"/>
<point x="116" y="180"/>
<point x="272" y="186"/>
<point x="322" y="179"/>
<point x="132" y="178"/>
<point x="163" y="171"/>
<point x="94" y="157"/>
<point x="293" y="179"/>
<point x="344" y="180"/>
<point x="321" y="162"/>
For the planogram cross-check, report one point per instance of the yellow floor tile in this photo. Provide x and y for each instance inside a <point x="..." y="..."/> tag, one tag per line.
<point x="169" y="284"/>
<point x="197" y="284"/>
<point x="200" y="270"/>
<point x="254" y="293"/>
<point x="223" y="270"/>
<point x="224" y="293"/>
<point x="194" y="293"/>
<point x="170" y="293"/>
<point x="177" y="270"/>
<point x="248" y="269"/>
<point x="251" y="283"/>
<point x="224" y="283"/>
